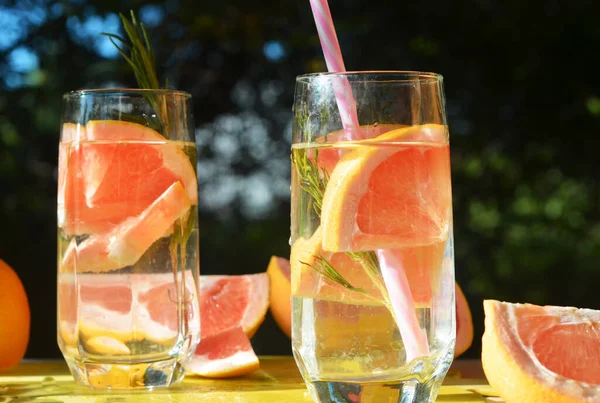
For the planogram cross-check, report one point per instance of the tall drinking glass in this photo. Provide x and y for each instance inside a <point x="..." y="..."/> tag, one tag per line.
<point x="372" y="254"/>
<point x="128" y="262"/>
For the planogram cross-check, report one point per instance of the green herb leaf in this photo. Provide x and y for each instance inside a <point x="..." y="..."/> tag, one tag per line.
<point x="137" y="51"/>
<point x="324" y="268"/>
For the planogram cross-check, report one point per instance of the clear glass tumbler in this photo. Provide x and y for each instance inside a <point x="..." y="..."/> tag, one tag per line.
<point x="373" y="317"/>
<point x="128" y="266"/>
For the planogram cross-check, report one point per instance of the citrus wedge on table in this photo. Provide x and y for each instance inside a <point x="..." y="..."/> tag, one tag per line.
<point x="232" y="308"/>
<point x="391" y="195"/>
<point x="280" y="305"/>
<point x="224" y="355"/>
<point x="230" y="301"/>
<point x="533" y="354"/>
<point x="112" y="170"/>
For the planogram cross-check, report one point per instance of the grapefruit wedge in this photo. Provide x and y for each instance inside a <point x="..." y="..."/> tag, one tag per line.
<point x="232" y="308"/>
<point x="388" y="197"/>
<point x="112" y="170"/>
<point x="124" y="244"/>
<point x="230" y="301"/>
<point x="224" y="355"/>
<point x="280" y="305"/>
<point x="533" y="354"/>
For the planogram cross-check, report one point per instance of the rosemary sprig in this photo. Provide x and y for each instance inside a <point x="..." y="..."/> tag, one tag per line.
<point x="314" y="182"/>
<point x="324" y="268"/>
<point x="138" y="53"/>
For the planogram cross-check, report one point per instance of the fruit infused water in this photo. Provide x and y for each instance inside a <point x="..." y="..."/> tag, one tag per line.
<point x="385" y="196"/>
<point x="127" y="254"/>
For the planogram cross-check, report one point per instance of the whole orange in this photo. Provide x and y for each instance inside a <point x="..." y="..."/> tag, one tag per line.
<point x="14" y="317"/>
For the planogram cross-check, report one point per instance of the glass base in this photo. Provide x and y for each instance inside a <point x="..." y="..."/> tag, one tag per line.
<point x="408" y="391"/>
<point x="414" y="388"/>
<point x="103" y="375"/>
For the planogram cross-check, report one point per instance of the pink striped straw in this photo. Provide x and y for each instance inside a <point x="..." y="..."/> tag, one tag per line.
<point x="335" y="63"/>
<point x="392" y="270"/>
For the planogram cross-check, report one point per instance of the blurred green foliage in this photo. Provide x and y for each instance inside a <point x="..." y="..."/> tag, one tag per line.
<point x="523" y="102"/>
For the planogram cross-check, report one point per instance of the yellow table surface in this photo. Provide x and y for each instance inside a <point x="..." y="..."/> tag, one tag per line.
<point x="277" y="380"/>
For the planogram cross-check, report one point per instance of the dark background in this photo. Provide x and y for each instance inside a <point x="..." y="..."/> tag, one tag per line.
<point x="523" y="101"/>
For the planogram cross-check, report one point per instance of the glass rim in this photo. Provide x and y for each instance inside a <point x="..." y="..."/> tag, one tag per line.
<point x="120" y="91"/>
<point x="398" y="76"/>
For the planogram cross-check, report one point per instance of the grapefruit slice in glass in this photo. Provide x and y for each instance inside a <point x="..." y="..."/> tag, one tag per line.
<point x="419" y="264"/>
<point x="126" y="243"/>
<point x="328" y="156"/>
<point x="389" y="196"/>
<point x="105" y="312"/>
<point x="112" y="170"/>
<point x="534" y="353"/>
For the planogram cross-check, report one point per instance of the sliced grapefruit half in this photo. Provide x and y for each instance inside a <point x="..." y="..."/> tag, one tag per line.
<point x="390" y="196"/>
<point x="533" y="354"/>
<point x="112" y="170"/>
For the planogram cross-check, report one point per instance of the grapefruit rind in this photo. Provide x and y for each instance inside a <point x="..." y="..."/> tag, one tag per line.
<point x="223" y="355"/>
<point x="464" y="323"/>
<point x="349" y="182"/>
<point x="280" y="293"/>
<point x="512" y="368"/>
<point x="240" y="363"/>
